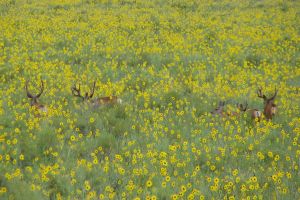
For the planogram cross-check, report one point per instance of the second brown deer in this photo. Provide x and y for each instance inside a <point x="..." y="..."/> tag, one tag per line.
<point x="107" y="100"/>
<point x="270" y="107"/>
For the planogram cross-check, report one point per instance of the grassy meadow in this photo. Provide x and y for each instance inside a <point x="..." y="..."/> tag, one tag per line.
<point x="170" y="62"/>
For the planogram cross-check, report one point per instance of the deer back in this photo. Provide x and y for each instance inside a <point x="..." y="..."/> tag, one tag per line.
<point x="109" y="100"/>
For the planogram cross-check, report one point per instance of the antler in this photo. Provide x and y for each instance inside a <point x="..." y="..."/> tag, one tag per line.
<point x="76" y="91"/>
<point x="93" y="89"/>
<point x="260" y="94"/>
<point x="41" y="89"/>
<point x="29" y="95"/>
<point x="273" y="97"/>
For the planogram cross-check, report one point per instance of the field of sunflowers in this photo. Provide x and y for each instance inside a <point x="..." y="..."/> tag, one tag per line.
<point x="171" y="62"/>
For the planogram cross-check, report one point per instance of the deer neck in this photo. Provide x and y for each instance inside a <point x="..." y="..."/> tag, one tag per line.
<point x="268" y="111"/>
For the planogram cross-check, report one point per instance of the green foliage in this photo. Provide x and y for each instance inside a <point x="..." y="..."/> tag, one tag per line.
<point x="170" y="62"/>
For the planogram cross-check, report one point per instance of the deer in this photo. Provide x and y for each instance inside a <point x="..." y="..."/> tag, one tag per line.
<point x="220" y="110"/>
<point x="255" y="113"/>
<point x="34" y="98"/>
<point x="100" y="101"/>
<point x="270" y="107"/>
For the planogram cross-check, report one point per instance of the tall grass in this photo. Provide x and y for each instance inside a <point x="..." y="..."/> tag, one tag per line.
<point x="170" y="62"/>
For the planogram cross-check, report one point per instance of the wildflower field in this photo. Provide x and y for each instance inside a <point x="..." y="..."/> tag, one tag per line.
<point x="170" y="62"/>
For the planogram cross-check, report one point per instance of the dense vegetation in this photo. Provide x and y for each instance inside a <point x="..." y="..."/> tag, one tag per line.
<point x="171" y="62"/>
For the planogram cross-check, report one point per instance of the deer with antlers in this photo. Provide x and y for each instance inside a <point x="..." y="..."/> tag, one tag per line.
<point x="255" y="114"/>
<point x="108" y="100"/>
<point x="270" y="107"/>
<point x="34" y="98"/>
<point x="220" y="110"/>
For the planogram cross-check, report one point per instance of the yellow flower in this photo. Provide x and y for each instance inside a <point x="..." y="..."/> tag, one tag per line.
<point x="95" y="161"/>
<point x="153" y="197"/>
<point x="87" y="187"/>
<point x="149" y="183"/>
<point x="3" y="190"/>
<point x="168" y="178"/>
<point x="21" y="157"/>
<point x="274" y="177"/>
<point x="101" y="196"/>
<point x="216" y="180"/>
<point x="183" y="188"/>
<point x="73" y="138"/>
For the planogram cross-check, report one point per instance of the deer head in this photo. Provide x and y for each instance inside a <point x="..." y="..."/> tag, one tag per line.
<point x="87" y="96"/>
<point x="219" y="109"/>
<point x="270" y="107"/>
<point x="241" y="107"/>
<point x="34" y="98"/>
<point x="98" y="101"/>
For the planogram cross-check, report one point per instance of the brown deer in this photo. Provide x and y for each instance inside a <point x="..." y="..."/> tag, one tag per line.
<point x="108" y="100"/>
<point x="255" y="114"/>
<point x="34" y="98"/>
<point x="270" y="107"/>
